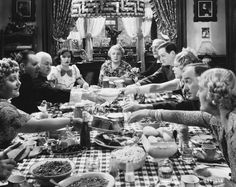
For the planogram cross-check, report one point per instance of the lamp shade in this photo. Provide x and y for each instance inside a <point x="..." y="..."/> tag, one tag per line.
<point x="107" y="8"/>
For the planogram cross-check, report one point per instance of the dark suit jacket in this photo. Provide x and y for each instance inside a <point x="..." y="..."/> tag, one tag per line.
<point x="151" y="69"/>
<point x="46" y="92"/>
<point x="26" y="100"/>
<point x="163" y="74"/>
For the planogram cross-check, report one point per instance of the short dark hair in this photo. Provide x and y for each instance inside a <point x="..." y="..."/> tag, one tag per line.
<point x="60" y="52"/>
<point x="22" y="57"/>
<point x="199" y="68"/>
<point x="169" y="46"/>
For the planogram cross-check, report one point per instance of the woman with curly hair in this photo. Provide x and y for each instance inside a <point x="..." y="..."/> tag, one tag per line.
<point x="217" y="95"/>
<point x="116" y="68"/>
<point x="65" y="75"/>
<point x="13" y="120"/>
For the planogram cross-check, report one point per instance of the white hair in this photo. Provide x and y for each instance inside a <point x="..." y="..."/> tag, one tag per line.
<point x="40" y="55"/>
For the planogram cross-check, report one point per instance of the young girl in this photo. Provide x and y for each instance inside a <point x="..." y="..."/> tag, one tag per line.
<point x="63" y="75"/>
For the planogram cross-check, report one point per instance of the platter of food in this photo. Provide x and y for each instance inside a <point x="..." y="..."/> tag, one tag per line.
<point x="91" y="179"/>
<point x="56" y="169"/>
<point x="118" y="140"/>
<point x="212" y="173"/>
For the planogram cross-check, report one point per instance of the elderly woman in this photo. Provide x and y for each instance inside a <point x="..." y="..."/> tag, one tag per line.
<point x="217" y="94"/>
<point x="185" y="57"/>
<point x="116" y="68"/>
<point x="64" y="75"/>
<point x="13" y="120"/>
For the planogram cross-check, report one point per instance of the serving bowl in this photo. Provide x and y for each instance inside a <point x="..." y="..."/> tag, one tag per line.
<point x="135" y="154"/>
<point x="159" y="150"/>
<point x="69" y="181"/>
<point x="43" y="180"/>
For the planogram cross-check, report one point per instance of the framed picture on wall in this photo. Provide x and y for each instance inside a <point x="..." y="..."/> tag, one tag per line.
<point x="205" y="10"/>
<point x="23" y="10"/>
<point x="206" y="33"/>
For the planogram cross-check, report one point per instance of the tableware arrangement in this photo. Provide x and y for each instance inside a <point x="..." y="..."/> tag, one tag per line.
<point x="159" y="143"/>
<point x="212" y="174"/>
<point x="203" y="156"/>
<point x="56" y="169"/>
<point x="189" y="181"/>
<point x="117" y="140"/>
<point x="91" y="179"/>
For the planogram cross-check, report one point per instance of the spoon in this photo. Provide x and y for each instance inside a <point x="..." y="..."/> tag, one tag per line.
<point x="55" y="183"/>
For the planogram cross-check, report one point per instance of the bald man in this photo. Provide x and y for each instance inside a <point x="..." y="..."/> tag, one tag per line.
<point x="44" y="89"/>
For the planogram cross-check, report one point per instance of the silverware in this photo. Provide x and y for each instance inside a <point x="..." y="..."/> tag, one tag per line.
<point x="55" y="183"/>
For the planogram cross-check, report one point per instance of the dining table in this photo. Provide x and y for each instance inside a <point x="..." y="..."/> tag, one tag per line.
<point x="147" y="176"/>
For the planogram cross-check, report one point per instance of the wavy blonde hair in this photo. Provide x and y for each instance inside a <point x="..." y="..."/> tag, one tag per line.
<point x="221" y="86"/>
<point x="186" y="56"/>
<point x="7" y="67"/>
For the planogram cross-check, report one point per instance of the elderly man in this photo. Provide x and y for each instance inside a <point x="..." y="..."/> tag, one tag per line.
<point x="44" y="89"/>
<point x="157" y="64"/>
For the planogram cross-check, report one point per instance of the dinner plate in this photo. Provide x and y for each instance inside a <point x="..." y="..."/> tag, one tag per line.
<point x="135" y="139"/>
<point x="71" y="180"/>
<point x="212" y="172"/>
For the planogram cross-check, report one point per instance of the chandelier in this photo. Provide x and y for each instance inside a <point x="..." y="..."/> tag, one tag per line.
<point x="107" y="8"/>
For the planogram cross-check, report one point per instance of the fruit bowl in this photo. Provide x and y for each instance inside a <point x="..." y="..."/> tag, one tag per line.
<point x="159" y="150"/>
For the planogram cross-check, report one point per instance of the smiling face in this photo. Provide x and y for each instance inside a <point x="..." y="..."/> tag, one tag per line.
<point x="190" y="81"/>
<point x="65" y="58"/>
<point x="116" y="56"/>
<point x="45" y="66"/>
<point x="32" y="66"/>
<point x="10" y="86"/>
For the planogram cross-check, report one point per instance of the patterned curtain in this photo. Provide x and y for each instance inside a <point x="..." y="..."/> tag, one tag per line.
<point x="62" y="21"/>
<point x="164" y="12"/>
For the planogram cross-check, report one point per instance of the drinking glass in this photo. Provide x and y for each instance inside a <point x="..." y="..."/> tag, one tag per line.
<point x="165" y="170"/>
<point x="93" y="164"/>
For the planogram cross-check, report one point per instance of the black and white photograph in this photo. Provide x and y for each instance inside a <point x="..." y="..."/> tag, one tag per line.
<point x="117" y="93"/>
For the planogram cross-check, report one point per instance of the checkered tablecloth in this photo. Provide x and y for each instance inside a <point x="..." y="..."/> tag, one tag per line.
<point x="161" y="97"/>
<point x="144" y="177"/>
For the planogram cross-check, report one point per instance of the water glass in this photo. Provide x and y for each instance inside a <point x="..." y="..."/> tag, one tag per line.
<point x="165" y="170"/>
<point x="187" y="155"/>
<point x="93" y="164"/>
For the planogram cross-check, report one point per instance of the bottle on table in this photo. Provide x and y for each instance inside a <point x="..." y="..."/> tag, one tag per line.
<point x="129" y="173"/>
<point x="85" y="132"/>
<point x="113" y="170"/>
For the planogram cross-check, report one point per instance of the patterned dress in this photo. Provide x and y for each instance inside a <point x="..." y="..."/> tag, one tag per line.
<point x="11" y="119"/>
<point x="64" y="79"/>
<point x="123" y="70"/>
<point x="224" y="130"/>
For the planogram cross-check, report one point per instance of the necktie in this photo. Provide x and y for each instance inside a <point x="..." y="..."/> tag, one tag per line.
<point x="69" y="72"/>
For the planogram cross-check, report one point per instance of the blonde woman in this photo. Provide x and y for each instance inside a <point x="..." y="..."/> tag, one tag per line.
<point x="13" y="120"/>
<point x="116" y="68"/>
<point x="217" y="95"/>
